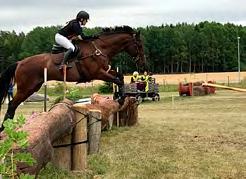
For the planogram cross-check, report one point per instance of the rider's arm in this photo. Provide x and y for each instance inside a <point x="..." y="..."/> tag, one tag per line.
<point x="78" y="32"/>
<point x="83" y="37"/>
<point x="80" y="35"/>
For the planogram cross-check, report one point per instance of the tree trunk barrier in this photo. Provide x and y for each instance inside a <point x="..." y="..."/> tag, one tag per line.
<point x="128" y="113"/>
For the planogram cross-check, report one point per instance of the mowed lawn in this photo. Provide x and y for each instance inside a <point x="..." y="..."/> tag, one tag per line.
<point x="194" y="137"/>
<point x="190" y="137"/>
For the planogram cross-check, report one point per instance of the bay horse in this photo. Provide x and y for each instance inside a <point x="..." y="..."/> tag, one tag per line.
<point x="91" y="63"/>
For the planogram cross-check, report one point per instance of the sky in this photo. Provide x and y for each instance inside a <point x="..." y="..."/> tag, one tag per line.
<point x="24" y="15"/>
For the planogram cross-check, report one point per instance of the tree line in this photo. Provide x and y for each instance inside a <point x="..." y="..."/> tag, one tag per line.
<point x="180" y="48"/>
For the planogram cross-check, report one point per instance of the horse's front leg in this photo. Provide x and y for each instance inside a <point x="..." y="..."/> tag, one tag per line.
<point x="115" y="77"/>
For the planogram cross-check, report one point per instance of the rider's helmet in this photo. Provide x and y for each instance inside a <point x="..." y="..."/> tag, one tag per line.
<point x="82" y="15"/>
<point x="135" y="73"/>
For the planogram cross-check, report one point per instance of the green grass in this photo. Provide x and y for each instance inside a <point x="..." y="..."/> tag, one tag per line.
<point x="168" y="88"/>
<point x="198" y="137"/>
<point x="58" y="88"/>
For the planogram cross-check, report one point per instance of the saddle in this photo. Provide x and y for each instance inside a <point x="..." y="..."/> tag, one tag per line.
<point x="56" y="48"/>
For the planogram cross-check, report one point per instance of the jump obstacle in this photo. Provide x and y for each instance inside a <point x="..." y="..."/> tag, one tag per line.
<point x="195" y="89"/>
<point x="68" y="132"/>
<point x="224" y="87"/>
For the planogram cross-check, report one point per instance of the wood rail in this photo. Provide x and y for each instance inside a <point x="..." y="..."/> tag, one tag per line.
<point x="224" y="87"/>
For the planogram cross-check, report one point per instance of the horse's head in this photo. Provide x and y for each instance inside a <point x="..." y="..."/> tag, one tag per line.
<point x="136" y="49"/>
<point x="126" y="39"/>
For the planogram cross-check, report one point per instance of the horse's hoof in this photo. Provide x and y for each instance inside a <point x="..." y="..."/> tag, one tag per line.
<point x="121" y="101"/>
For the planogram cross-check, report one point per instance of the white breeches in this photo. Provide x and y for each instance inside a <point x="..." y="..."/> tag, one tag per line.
<point x="64" y="42"/>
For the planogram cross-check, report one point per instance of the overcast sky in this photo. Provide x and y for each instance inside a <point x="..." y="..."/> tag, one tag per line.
<point x="24" y="15"/>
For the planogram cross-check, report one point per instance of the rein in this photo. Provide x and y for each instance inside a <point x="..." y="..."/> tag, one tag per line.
<point x="97" y="52"/>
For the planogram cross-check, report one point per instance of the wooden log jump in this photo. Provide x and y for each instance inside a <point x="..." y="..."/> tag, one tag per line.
<point x="60" y="135"/>
<point x="195" y="89"/>
<point x="43" y="130"/>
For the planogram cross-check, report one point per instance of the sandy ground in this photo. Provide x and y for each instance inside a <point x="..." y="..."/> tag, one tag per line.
<point x="222" y="77"/>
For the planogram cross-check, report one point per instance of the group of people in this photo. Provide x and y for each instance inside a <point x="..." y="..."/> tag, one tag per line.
<point x="142" y="78"/>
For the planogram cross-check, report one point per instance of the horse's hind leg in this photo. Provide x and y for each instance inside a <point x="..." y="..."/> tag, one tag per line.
<point x="20" y="96"/>
<point x="13" y="104"/>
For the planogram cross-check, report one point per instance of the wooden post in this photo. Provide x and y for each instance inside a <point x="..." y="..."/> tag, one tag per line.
<point x="79" y="151"/>
<point x="110" y="121"/>
<point x="45" y="89"/>
<point x="94" y="128"/>
<point x="118" y="114"/>
<point x="64" y="80"/>
<point x="62" y="155"/>
<point x="172" y="101"/>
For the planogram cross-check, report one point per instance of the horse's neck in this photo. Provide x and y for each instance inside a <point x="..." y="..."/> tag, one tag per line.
<point x="115" y="45"/>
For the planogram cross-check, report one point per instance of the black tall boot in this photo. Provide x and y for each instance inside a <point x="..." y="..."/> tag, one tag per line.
<point x="67" y="56"/>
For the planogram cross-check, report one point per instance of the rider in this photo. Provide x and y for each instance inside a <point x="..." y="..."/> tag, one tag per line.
<point x="135" y="78"/>
<point x="72" y="30"/>
<point x="146" y="78"/>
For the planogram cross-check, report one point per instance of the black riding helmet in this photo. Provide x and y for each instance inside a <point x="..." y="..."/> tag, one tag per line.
<point x="82" y="15"/>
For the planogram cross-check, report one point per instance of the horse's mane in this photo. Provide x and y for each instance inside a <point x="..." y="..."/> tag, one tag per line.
<point x="117" y="29"/>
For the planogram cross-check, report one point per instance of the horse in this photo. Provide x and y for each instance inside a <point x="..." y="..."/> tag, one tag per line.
<point x="91" y="63"/>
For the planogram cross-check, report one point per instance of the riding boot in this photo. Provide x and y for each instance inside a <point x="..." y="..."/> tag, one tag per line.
<point x="67" y="56"/>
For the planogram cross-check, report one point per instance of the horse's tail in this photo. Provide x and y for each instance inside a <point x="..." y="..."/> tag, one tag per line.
<point x="5" y="79"/>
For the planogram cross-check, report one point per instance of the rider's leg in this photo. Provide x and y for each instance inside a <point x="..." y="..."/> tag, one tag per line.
<point x="67" y="56"/>
<point x="64" y="42"/>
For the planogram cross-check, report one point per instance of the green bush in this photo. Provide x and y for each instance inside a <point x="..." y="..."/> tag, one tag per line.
<point x="13" y="139"/>
<point x="74" y="94"/>
<point x="106" y="88"/>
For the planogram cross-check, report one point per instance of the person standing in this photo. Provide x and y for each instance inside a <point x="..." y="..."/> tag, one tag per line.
<point x="11" y="90"/>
